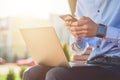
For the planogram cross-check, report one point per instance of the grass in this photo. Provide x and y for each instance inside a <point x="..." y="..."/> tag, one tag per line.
<point x="12" y="75"/>
<point x="3" y="77"/>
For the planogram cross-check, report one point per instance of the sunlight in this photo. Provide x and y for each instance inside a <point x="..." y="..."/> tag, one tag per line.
<point x="33" y="8"/>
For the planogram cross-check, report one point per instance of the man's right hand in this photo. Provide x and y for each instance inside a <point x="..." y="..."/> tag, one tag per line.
<point x="82" y="58"/>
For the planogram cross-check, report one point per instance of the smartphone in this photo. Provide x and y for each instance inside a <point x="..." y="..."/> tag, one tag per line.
<point x="68" y="17"/>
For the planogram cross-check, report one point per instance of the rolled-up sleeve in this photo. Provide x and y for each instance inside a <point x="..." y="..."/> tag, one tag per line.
<point x="113" y="35"/>
<point x="78" y="46"/>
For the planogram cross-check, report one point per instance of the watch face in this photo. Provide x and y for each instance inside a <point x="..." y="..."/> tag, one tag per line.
<point x="101" y="30"/>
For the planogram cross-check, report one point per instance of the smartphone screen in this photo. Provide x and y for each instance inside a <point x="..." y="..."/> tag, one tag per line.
<point x="68" y="17"/>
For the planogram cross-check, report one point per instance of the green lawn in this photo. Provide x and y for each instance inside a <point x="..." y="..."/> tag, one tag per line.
<point x="4" y="77"/>
<point x="11" y="75"/>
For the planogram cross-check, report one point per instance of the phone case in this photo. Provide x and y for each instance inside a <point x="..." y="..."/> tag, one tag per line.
<point x="68" y="17"/>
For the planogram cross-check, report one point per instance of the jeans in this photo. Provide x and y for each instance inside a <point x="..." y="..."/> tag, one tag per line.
<point x="41" y="72"/>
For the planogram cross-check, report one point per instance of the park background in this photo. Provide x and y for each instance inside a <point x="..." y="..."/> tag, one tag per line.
<point x="16" y="14"/>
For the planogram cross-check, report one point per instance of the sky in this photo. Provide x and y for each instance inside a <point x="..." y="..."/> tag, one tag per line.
<point x="33" y="8"/>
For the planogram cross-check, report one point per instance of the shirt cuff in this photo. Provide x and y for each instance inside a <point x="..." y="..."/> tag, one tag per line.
<point x="79" y="46"/>
<point x="113" y="33"/>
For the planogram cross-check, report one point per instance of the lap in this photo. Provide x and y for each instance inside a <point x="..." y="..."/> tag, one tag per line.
<point x="37" y="72"/>
<point x="81" y="73"/>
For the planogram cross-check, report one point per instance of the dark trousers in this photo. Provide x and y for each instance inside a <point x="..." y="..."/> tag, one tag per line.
<point x="41" y="72"/>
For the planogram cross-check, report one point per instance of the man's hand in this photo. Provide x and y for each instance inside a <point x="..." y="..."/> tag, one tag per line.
<point x="82" y="58"/>
<point x="84" y="27"/>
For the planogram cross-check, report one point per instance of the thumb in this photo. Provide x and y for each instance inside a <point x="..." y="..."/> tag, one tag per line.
<point x="83" y="20"/>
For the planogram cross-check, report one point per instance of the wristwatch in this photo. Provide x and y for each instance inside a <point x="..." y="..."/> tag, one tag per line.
<point x="101" y="32"/>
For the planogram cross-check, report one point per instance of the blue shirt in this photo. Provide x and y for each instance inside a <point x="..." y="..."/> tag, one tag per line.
<point x="105" y="12"/>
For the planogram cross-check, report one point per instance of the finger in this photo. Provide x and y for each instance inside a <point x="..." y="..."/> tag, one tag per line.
<point x="79" y="34"/>
<point x="80" y="23"/>
<point x="80" y="57"/>
<point x="68" y="23"/>
<point x="78" y="28"/>
<point x="88" y="51"/>
<point x="82" y="35"/>
<point x="83" y="18"/>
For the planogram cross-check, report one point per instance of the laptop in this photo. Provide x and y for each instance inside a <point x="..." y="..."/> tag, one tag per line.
<point x="45" y="47"/>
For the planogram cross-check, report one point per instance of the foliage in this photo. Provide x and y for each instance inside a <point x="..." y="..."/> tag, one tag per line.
<point x="23" y="68"/>
<point x="67" y="51"/>
<point x="11" y="75"/>
<point x="2" y="77"/>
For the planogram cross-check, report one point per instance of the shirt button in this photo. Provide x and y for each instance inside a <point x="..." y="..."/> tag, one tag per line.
<point x="98" y="46"/>
<point x="98" y="11"/>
